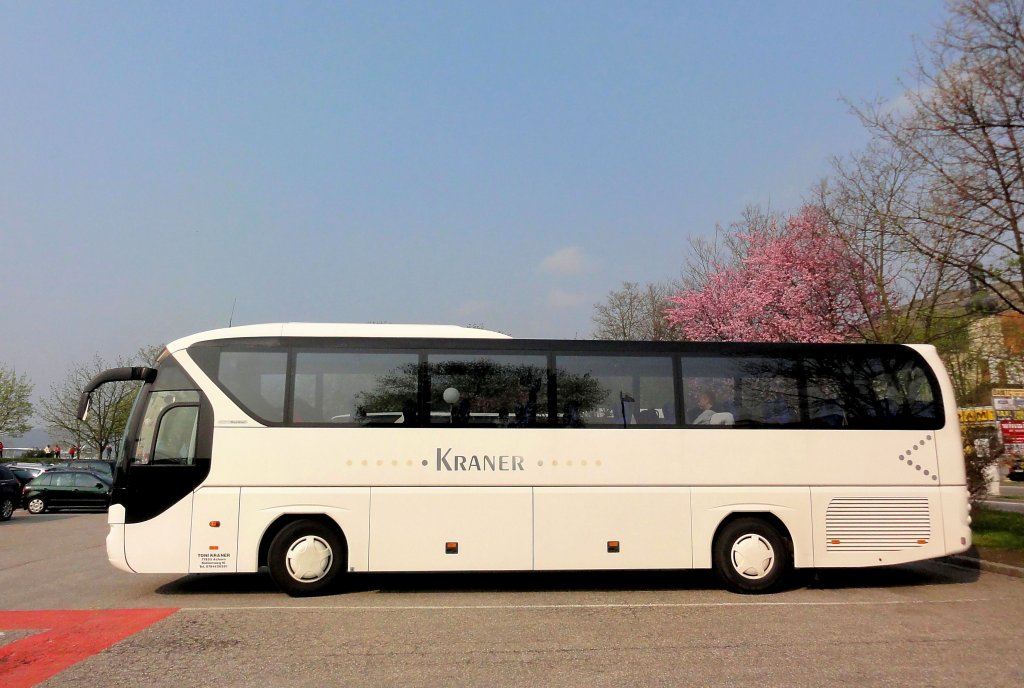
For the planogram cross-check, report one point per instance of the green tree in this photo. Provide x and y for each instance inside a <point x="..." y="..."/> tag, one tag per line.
<point x="15" y="406"/>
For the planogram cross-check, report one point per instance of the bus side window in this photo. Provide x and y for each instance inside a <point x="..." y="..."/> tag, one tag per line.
<point x="354" y="389"/>
<point x="823" y="404"/>
<point x="870" y="392"/>
<point x="614" y="390"/>
<point x="256" y="379"/>
<point x="488" y="390"/>
<point x="742" y="390"/>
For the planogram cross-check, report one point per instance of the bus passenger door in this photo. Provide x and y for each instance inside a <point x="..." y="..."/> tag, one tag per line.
<point x="158" y="544"/>
<point x="157" y="494"/>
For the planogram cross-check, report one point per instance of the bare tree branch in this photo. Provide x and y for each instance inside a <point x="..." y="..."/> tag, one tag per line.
<point x="635" y="312"/>
<point x="962" y="135"/>
<point x="110" y="406"/>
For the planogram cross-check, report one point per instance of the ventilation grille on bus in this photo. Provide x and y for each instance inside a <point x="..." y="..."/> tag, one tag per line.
<point x="877" y="524"/>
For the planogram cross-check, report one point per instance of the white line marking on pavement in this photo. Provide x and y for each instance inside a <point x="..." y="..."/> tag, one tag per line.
<point x="642" y="605"/>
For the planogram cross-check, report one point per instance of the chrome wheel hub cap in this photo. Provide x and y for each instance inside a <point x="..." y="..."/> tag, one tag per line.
<point x="309" y="559"/>
<point x="752" y="556"/>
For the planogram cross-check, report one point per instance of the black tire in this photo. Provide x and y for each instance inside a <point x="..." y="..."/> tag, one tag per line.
<point x="306" y="558"/>
<point x="751" y="556"/>
<point x="36" y="505"/>
<point x="6" y="509"/>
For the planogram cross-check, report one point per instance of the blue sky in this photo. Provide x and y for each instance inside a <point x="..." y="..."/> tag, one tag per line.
<point x="501" y="163"/>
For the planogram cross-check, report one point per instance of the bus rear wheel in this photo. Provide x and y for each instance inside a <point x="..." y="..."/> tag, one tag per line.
<point x="752" y="556"/>
<point x="306" y="558"/>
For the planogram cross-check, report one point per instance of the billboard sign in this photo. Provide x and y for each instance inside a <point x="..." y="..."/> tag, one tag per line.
<point x="1009" y="409"/>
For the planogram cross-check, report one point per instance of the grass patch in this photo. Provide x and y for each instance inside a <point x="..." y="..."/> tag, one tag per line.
<point x="997" y="529"/>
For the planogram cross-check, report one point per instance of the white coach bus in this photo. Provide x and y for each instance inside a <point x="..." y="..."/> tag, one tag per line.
<point x="319" y="450"/>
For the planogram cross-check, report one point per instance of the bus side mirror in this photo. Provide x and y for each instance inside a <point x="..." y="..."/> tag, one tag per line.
<point x="112" y="375"/>
<point x="83" y="405"/>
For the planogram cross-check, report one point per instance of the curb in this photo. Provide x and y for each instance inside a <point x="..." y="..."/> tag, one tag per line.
<point x="983" y="565"/>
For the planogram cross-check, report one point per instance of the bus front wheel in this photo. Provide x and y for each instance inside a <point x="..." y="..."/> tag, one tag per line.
<point x="752" y="556"/>
<point x="305" y="558"/>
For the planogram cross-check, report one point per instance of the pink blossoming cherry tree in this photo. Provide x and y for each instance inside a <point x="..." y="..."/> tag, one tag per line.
<point x="800" y="285"/>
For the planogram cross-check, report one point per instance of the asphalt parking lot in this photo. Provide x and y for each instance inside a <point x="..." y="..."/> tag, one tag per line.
<point x="923" y="624"/>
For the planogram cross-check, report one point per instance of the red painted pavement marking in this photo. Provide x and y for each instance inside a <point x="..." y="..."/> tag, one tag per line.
<point x="68" y="638"/>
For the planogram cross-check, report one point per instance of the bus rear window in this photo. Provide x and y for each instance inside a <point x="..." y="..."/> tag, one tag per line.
<point x="857" y="390"/>
<point x="869" y="392"/>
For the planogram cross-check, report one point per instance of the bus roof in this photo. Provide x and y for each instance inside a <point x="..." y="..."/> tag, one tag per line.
<point x="337" y="330"/>
<point x="370" y="330"/>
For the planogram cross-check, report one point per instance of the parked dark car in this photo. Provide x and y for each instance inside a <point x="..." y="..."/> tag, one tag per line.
<point x="26" y="474"/>
<point x="1017" y="471"/>
<point x="66" y="489"/>
<point x="10" y="492"/>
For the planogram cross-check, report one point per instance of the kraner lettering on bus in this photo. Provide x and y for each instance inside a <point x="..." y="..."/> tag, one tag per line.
<point x="458" y="462"/>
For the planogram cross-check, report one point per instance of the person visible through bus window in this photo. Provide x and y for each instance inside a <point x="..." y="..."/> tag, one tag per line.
<point x="460" y="413"/>
<point x="668" y="413"/>
<point x="571" y="416"/>
<point x="409" y="412"/>
<point x="706" y="402"/>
